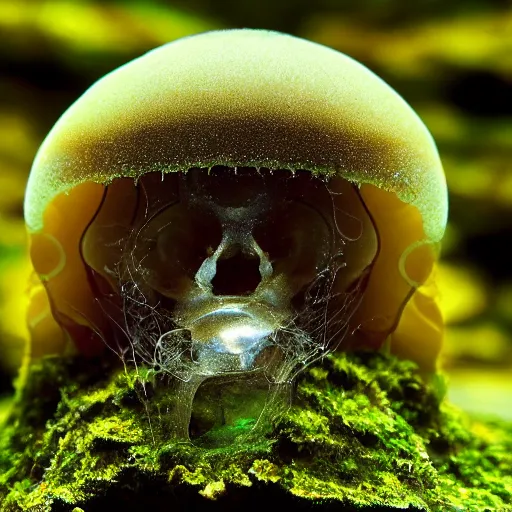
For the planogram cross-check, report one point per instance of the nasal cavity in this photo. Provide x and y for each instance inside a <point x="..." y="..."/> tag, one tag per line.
<point x="238" y="274"/>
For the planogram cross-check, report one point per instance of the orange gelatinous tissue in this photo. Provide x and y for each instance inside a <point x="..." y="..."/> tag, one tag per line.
<point x="235" y="202"/>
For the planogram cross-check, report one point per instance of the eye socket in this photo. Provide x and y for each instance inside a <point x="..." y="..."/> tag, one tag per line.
<point x="297" y="238"/>
<point x="172" y="245"/>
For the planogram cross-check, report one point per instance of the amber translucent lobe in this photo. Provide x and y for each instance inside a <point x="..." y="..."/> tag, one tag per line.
<point x="46" y="334"/>
<point x="419" y="334"/>
<point x="415" y="326"/>
<point x="55" y="253"/>
<point x="100" y="246"/>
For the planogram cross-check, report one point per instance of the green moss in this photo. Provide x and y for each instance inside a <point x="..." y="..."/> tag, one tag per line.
<point x="364" y="431"/>
<point x="5" y="407"/>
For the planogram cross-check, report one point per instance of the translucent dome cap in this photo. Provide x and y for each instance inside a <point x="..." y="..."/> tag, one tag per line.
<point x="252" y="96"/>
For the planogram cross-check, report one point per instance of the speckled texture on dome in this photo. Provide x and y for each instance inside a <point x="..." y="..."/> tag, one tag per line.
<point x="248" y="98"/>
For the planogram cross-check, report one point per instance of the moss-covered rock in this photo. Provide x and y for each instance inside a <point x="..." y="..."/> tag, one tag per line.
<point x="364" y="433"/>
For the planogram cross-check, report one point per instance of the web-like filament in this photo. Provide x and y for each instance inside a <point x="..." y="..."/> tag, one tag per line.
<point x="151" y="334"/>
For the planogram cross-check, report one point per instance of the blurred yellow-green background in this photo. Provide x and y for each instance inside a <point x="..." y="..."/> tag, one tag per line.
<point x="451" y="60"/>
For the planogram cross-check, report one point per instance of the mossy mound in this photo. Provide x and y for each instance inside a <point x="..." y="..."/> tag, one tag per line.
<point x="364" y="433"/>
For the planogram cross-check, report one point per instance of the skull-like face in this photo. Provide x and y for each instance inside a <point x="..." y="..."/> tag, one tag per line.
<point x="229" y="271"/>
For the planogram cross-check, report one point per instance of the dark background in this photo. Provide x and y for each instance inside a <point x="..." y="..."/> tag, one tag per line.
<point x="451" y="60"/>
